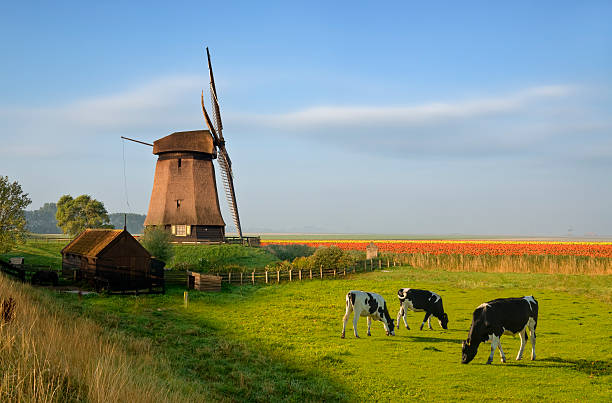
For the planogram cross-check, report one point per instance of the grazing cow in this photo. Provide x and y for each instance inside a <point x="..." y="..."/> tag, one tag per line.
<point x="368" y="304"/>
<point x="419" y="301"/>
<point x="494" y="318"/>
<point x="44" y="276"/>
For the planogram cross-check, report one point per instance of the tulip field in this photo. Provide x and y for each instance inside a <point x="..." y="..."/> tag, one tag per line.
<point x="469" y="247"/>
<point x="485" y="255"/>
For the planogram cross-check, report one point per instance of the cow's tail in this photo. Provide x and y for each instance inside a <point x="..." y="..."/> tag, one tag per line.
<point x="350" y="299"/>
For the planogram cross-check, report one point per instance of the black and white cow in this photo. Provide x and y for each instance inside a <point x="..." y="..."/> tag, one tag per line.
<point x="419" y="301"/>
<point x="494" y="318"/>
<point x="368" y="304"/>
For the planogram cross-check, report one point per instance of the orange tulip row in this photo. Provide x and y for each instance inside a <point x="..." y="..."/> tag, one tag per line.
<point x="594" y="249"/>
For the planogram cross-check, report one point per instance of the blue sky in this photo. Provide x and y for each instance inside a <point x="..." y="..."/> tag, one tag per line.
<point x="445" y="117"/>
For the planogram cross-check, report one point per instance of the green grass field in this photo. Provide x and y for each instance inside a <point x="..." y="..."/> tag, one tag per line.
<point x="283" y="342"/>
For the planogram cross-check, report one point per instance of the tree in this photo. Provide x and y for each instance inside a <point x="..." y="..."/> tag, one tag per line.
<point x="75" y="215"/>
<point x="135" y="222"/>
<point x="158" y="242"/>
<point x="12" y="217"/>
<point x="43" y="221"/>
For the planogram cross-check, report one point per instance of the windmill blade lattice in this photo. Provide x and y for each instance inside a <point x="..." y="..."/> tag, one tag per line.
<point x="225" y="163"/>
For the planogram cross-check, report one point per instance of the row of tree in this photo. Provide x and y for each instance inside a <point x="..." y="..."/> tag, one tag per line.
<point x="70" y="216"/>
<point x="45" y="221"/>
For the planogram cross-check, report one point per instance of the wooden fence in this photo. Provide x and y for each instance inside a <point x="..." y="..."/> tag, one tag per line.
<point x="179" y="277"/>
<point x="23" y="272"/>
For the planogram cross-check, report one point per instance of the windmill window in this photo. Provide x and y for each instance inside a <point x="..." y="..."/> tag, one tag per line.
<point x="179" y="162"/>
<point x="181" y="230"/>
<point x="178" y="203"/>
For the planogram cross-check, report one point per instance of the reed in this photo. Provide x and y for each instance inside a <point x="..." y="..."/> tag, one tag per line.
<point x="50" y="355"/>
<point x="549" y="264"/>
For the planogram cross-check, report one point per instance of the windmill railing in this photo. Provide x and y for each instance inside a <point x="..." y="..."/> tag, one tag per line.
<point x="245" y="240"/>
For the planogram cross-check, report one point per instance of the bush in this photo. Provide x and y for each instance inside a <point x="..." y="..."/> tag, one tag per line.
<point x="303" y="263"/>
<point x="331" y="258"/>
<point x="226" y="257"/>
<point x="157" y="241"/>
<point x="290" y="252"/>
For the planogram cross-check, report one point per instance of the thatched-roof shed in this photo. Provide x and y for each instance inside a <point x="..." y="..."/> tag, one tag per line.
<point x="111" y="256"/>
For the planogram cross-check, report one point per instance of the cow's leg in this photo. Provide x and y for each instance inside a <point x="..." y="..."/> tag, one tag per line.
<point x="369" y="325"/>
<point x="349" y="308"/>
<point x="429" y="323"/>
<point x="522" y="334"/>
<point x="532" y="327"/>
<point x="502" y="356"/>
<point x="401" y="314"/>
<point x="494" y="343"/>
<point x="355" y="319"/>
<point x="427" y="315"/>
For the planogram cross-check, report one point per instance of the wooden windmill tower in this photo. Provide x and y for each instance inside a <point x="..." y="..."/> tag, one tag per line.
<point x="184" y="199"/>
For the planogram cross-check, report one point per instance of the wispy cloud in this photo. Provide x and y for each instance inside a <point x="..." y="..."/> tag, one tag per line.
<point x="351" y="116"/>
<point x="153" y="108"/>
<point x="509" y="123"/>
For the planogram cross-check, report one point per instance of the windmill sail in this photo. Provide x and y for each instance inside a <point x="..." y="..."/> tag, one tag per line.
<point x="225" y="163"/>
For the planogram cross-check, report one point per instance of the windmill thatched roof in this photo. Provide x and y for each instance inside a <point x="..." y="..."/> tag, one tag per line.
<point x="190" y="141"/>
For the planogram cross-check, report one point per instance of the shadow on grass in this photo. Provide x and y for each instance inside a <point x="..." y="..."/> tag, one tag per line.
<point x="427" y="339"/>
<point x="589" y="367"/>
<point x="203" y="358"/>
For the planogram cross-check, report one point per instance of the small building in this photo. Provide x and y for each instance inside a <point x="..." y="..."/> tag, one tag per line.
<point x="109" y="258"/>
<point x="371" y="251"/>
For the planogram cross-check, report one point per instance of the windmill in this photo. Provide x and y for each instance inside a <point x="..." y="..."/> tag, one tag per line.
<point x="184" y="198"/>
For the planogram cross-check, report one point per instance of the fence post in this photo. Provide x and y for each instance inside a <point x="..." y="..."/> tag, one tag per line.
<point x="241" y="273"/>
<point x="321" y="270"/>
<point x="229" y="277"/>
<point x="371" y="265"/>
<point x="300" y="273"/>
<point x="185" y="298"/>
<point x="253" y="277"/>
<point x="311" y="273"/>
<point x="344" y="272"/>
<point x="365" y="265"/>
<point x="277" y="276"/>
<point x="388" y="265"/>
<point x="334" y="272"/>
<point x="379" y="264"/>
<point x="266" y="276"/>
<point x="290" y="274"/>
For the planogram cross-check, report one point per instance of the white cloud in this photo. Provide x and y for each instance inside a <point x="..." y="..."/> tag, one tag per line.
<point x="153" y="108"/>
<point x="467" y="127"/>
<point x="355" y="116"/>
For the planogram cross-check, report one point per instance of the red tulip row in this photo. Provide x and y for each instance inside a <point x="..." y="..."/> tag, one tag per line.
<point x="594" y="249"/>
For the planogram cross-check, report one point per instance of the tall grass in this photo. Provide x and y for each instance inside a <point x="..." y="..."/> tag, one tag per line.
<point x="47" y="355"/>
<point x="549" y="264"/>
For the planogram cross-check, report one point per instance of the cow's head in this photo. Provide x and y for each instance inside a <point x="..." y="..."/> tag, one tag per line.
<point x="444" y="321"/>
<point x="468" y="351"/>
<point x="390" y="327"/>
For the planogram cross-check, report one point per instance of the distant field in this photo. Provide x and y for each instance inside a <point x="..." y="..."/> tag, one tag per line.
<point x="366" y="237"/>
